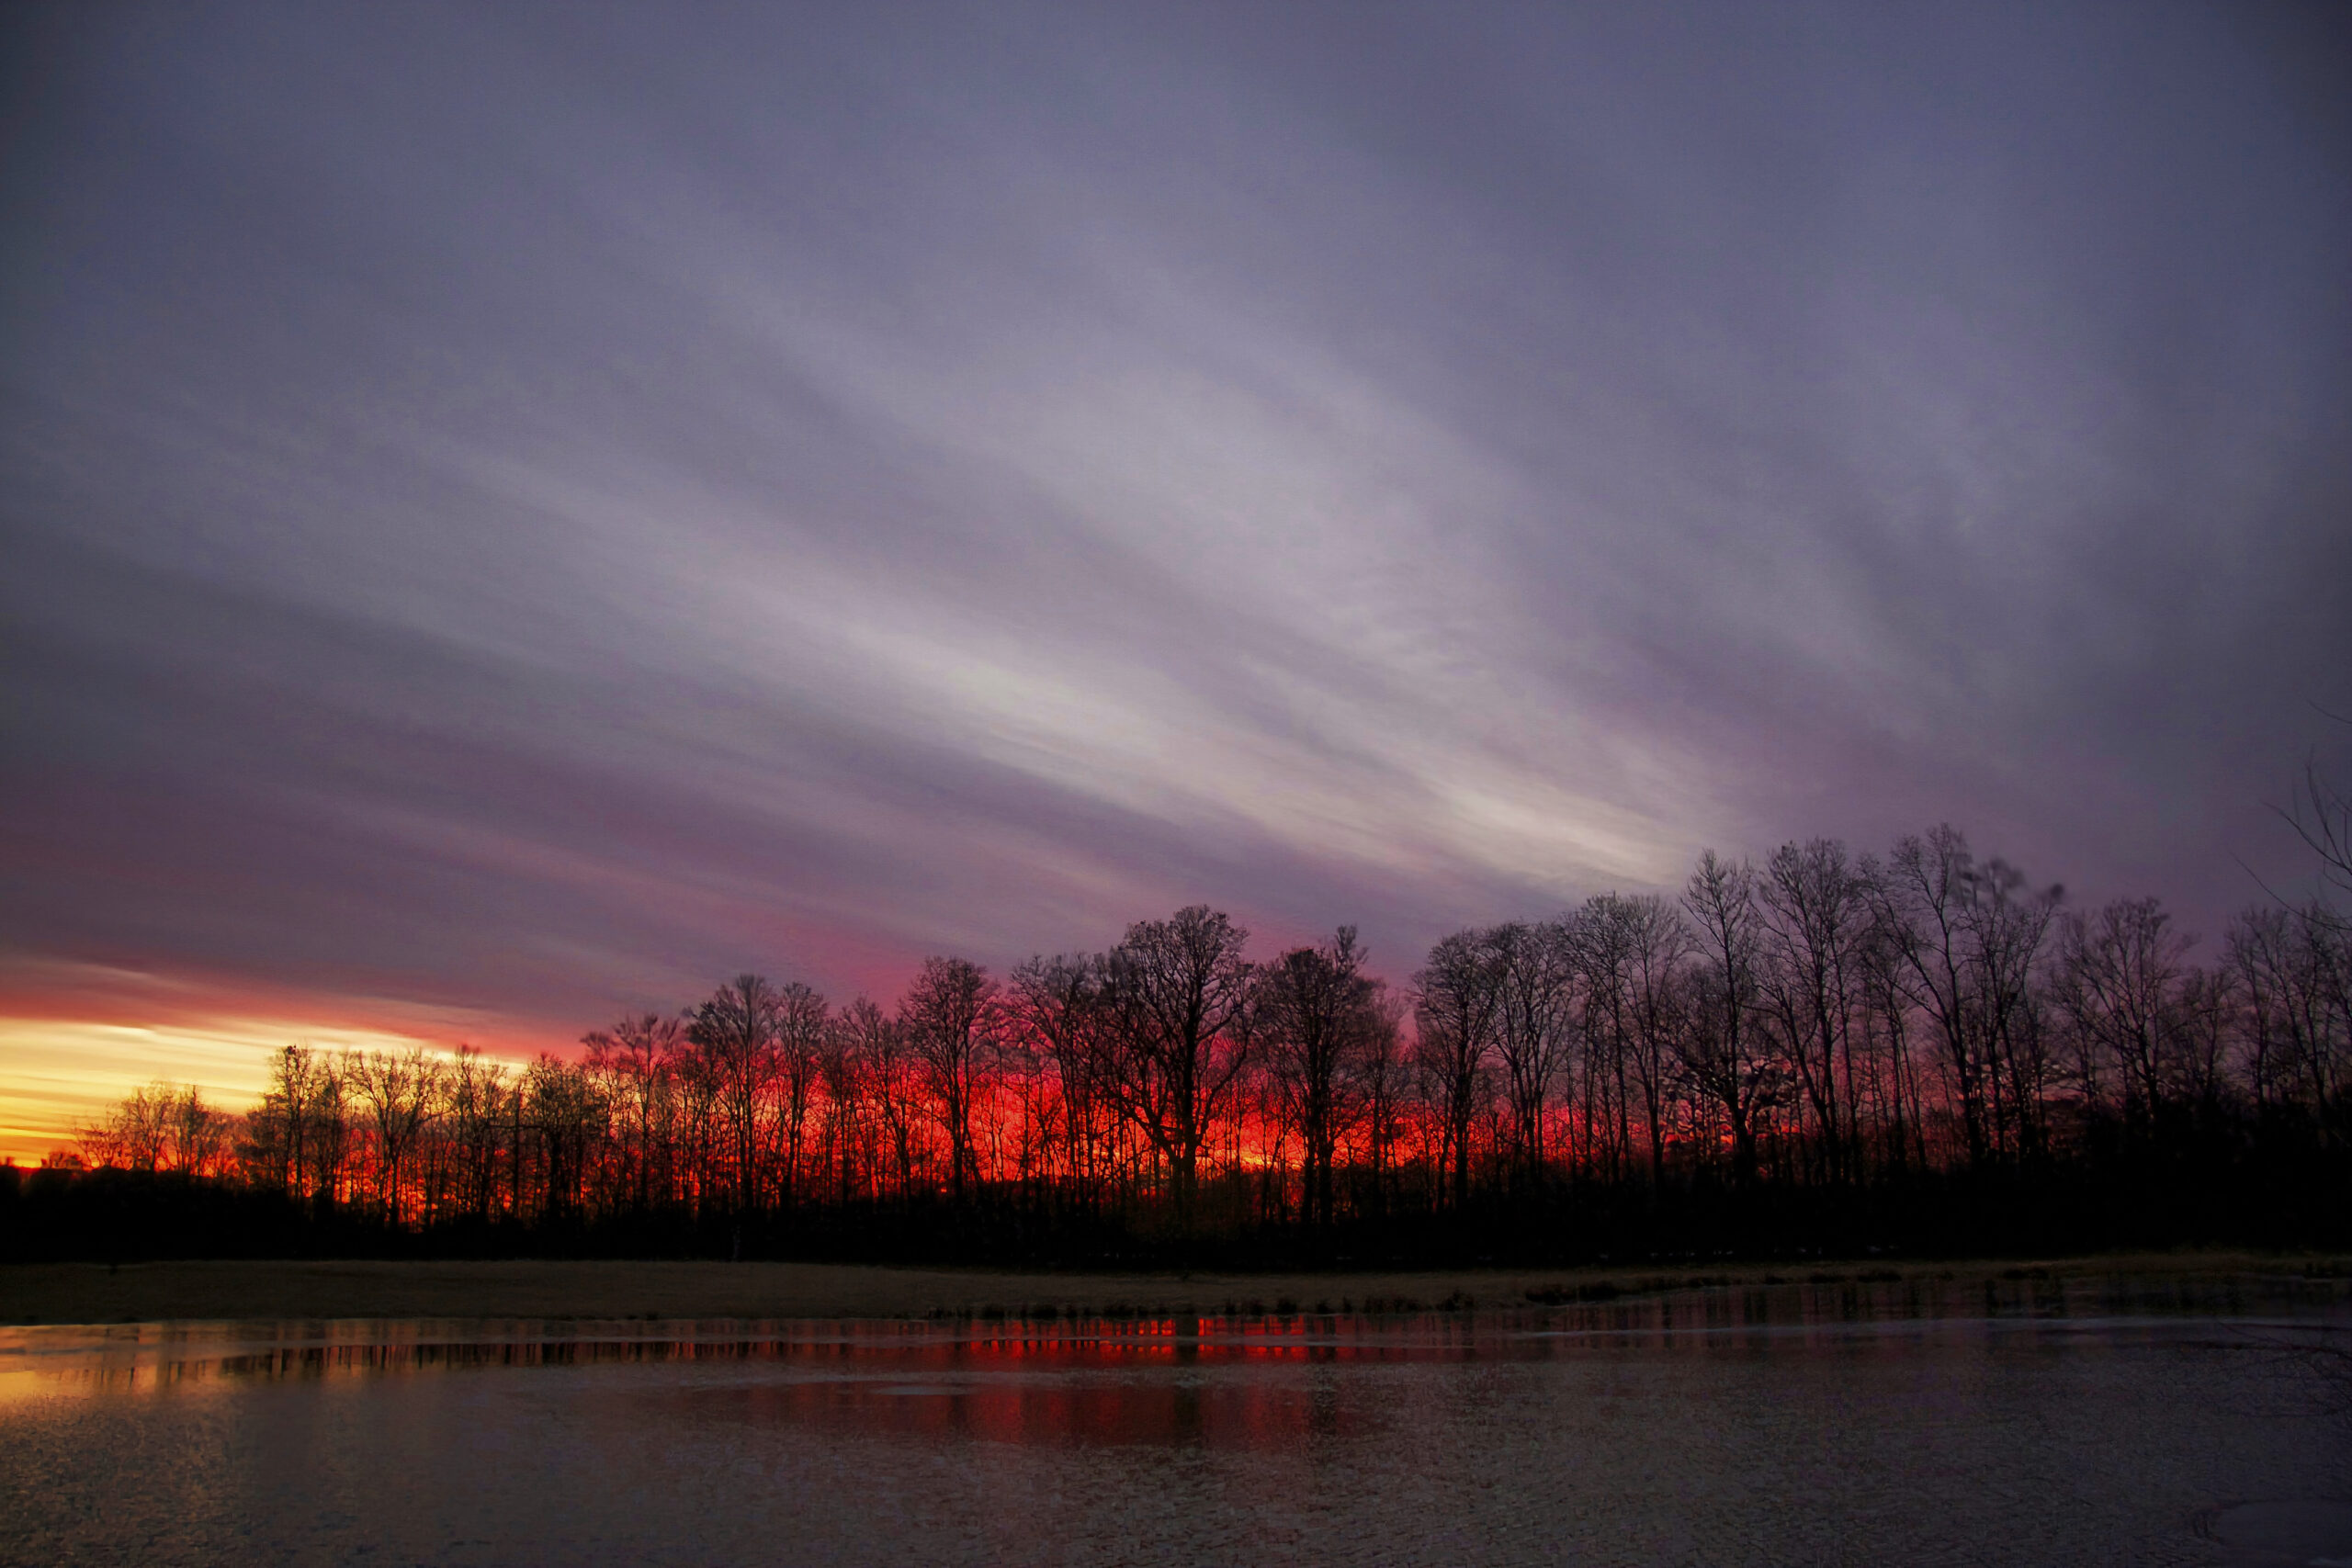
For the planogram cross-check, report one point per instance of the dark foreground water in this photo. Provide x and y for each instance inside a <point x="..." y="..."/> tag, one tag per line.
<point x="1880" y="1425"/>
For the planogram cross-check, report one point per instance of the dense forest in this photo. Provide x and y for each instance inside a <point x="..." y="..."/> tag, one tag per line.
<point x="1824" y="1053"/>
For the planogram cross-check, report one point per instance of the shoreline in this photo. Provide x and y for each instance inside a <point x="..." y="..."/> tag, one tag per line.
<point x="240" y="1291"/>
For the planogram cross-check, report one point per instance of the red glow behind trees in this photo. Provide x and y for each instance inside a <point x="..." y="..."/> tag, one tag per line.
<point x="1830" y="1023"/>
<point x="1172" y="994"/>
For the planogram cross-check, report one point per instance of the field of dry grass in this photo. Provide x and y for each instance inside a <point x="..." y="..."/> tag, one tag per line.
<point x="92" y="1294"/>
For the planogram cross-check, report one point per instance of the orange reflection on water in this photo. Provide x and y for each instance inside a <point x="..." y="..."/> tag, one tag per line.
<point x="1170" y="1379"/>
<point x="1239" y="1381"/>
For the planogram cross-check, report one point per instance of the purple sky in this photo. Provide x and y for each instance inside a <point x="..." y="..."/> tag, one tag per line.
<point x="527" y="516"/>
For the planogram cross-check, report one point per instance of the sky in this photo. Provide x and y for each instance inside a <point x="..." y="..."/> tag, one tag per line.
<point x="512" y="514"/>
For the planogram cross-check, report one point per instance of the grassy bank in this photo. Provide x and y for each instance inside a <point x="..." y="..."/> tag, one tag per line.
<point x="91" y="1293"/>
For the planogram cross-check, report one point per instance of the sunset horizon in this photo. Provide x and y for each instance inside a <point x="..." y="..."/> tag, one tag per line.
<point x="469" y="570"/>
<point x="1552" y="781"/>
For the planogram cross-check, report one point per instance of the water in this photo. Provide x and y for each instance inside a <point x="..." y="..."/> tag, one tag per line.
<point x="1911" y="1423"/>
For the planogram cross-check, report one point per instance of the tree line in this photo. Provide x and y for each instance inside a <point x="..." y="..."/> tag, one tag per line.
<point x="1824" y="1049"/>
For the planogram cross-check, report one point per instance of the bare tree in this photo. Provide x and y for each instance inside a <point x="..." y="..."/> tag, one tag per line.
<point x="2008" y="922"/>
<point x="1059" y="1009"/>
<point x="1533" y="974"/>
<point x="474" y="1099"/>
<point x="1822" y="1020"/>
<point x="277" y="1129"/>
<point x="566" y="1114"/>
<point x="803" y="1024"/>
<point x="637" y="1054"/>
<point x="1922" y="897"/>
<point x="162" y="1127"/>
<point x="736" y="1032"/>
<point x="399" y="1091"/>
<point x="297" y="1138"/>
<point x="845" y="1133"/>
<point x="1816" y="910"/>
<point x="2121" y="970"/>
<point x="1457" y="1004"/>
<point x="1380" y="1082"/>
<point x="948" y="1020"/>
<point x="2296" y="977"/>
<point x="1630" y="949"/>
<point x="1173" y="990"/>
<point x="1722" y="1049"/>
<point x="199" y="1134"/>
<point x="1315" y="1008"/>
<point x="2323" y="816"/>
<point x="880" y="1047"/>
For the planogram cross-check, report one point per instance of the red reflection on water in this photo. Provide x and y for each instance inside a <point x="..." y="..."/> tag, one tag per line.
<point x="1051" y="1394"/>
<point x="1241" y="1381"/>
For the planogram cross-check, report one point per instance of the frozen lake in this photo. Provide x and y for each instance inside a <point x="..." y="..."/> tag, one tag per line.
<point x="1910" y="1423"/>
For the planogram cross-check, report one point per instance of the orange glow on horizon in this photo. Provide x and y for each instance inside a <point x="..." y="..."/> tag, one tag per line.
<point x="76" y="1039"/>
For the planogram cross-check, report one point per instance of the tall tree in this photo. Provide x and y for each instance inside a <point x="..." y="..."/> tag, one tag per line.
<point x="803" y="1022"/>
<point x="1816" y="913"/>
<point x="637" y="1055"/>
<point x="884" y="1067"/>
<point x="1058" y="1006"/>
<point x="2122" y="968"/>
<point x="1173" y="991"/>
<point x="948" y="1020"/>
<point x="2009" y="922"/>
<point x="1315" y="1008"/>
<point x="1923" y="897"/>
<point x="1632" y="947"/>
<point x="735" y="1030"/>
<point x="1533" y="974"/>
<point x="399" y="1089"/>
<point x="1722" y="1050"/>
<point x="1457" y="1003"/>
